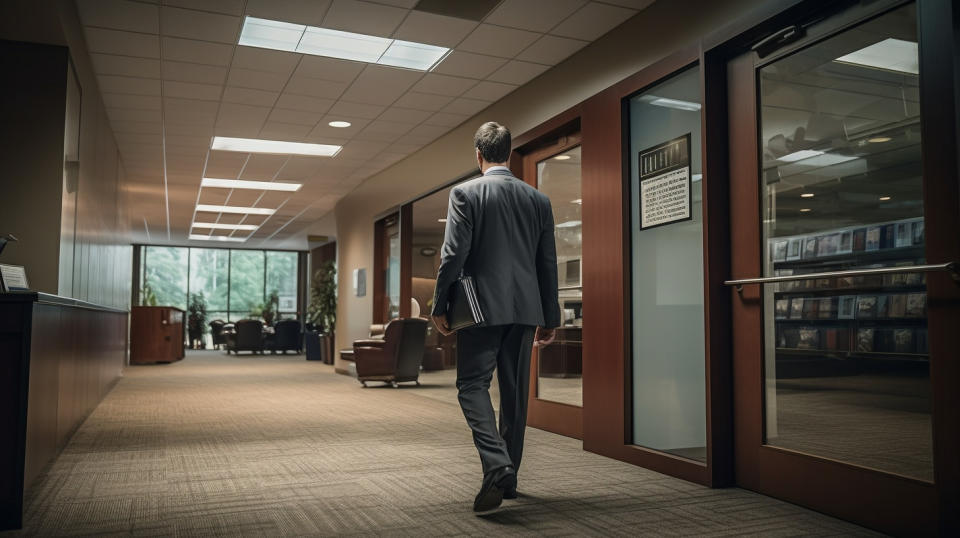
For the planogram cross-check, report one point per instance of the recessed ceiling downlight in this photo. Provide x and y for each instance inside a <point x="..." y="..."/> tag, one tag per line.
<point x="340" y="124"/>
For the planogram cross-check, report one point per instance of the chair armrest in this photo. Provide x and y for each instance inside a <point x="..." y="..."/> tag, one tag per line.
<point x="369" y="343"/>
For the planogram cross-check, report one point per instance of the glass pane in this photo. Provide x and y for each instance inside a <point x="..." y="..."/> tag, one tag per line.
<point x="846" y="364"/>
<point x="282" y="278"/>
<point x="165" y="272"/>
<point x="668" y="374"/>
<point x="208" y="276"/>
<point x="560" y="378"/>
<point x="246" y="282"/>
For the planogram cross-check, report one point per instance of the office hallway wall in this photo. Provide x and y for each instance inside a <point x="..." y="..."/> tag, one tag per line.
<point x="269" y="446"/>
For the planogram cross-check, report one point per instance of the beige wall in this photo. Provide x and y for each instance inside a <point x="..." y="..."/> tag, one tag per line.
<point x="72" y="243"/>
<point x="653" y="34"/>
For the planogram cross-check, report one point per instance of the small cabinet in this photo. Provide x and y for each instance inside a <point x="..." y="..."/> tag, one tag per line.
<point x="156" y="334"/>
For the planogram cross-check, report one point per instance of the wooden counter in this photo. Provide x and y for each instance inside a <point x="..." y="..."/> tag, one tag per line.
<point x="58" y="358"/>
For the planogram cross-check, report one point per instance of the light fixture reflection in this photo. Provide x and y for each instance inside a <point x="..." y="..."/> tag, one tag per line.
<point x="807" y="195"/>
<point x="884" y="198"/>
<point x="562" y="157"/>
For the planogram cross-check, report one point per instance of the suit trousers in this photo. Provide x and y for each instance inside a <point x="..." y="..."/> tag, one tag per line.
<point x="479" y="350"/>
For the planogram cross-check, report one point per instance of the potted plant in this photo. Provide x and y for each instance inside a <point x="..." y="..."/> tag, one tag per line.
<point x="197" y="320"/>
<point x="147" y="296"/>
<point x="269" y="310"/>
<point x="322" y="313"/>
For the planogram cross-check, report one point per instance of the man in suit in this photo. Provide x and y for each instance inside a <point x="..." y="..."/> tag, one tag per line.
<point x="500" y="232"/>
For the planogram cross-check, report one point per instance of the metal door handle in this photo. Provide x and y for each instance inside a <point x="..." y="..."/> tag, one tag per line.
<point x="950" y="267"/>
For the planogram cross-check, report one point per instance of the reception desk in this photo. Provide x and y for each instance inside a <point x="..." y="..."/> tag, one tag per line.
<point x="58" y="358"/>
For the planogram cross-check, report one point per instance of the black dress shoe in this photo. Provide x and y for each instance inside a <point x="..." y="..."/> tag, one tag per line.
<point x="494" y="484"/>
<point x="510" y="493"/>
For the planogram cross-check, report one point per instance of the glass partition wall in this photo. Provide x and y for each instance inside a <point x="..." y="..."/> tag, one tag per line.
<point x="232" y="281"/>
<point x="669" y="360"/>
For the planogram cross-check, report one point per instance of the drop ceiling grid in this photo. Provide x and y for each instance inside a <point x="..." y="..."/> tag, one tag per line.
<point x="189" y="65"/>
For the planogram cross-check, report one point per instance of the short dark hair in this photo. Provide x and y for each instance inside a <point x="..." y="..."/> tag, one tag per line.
<point x="493" y="141"/>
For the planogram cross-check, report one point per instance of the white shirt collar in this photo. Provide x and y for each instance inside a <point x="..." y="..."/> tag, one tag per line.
<point x="492" y="168"/>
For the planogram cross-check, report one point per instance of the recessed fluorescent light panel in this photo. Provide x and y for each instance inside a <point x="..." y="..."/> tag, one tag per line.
<point x="253" y="145"/>
<point x="278" y="35"/>
<point x="890" y="55"/>
<point x="243" y="184"/>
<point x="236" y="209"/>
<point x="219" y="226"/>
<point x="800" y="155"/>
<point x="216" y="238"/>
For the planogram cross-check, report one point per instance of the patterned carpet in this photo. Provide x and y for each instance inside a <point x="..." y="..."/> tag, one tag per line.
<point x="271" y="446"/>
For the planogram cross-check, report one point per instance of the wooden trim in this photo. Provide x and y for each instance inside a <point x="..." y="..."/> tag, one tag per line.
<point x="551" y="416"/>
<point x="940" y="112"/>
<point x="564" y="123"/>
<point x="379" y="270"/>
<point x="406" y="261"/>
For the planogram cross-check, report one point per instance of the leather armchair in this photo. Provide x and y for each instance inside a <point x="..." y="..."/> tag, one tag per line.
<point x="396" y="358"/>
<point x="247" y="336"/>
<point x="216" y="332"/>
<point x="286" y="336"/>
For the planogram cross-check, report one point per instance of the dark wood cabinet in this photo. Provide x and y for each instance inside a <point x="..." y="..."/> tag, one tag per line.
<point x="156" y="334"/>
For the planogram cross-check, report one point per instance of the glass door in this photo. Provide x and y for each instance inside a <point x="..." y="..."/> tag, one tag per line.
<point x="556" y="381"/>
<point x="839" y="339"/>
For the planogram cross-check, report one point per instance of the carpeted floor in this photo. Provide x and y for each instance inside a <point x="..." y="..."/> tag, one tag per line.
<point x="271" y="446"/>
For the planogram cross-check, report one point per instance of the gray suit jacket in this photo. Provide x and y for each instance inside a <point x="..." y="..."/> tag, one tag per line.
<point x="500" y="232"/>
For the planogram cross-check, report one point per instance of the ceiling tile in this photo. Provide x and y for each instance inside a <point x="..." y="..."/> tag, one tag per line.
<point x="404" y="115"/>
<point x="431" y="131"/>
<point x="225" y="164"/>
<point x="381" y="85"/>
<point x="133" y="114"/>
<point x="497" y="41"/>
<point x="389" y="127"/>
<point x="124" y="43"/>
<point x="298" y="11"/>
<point x="247" y="96"/>
<point x="446" y="119"/>
<point x="489" y="91"/>
<point x="111" y="64"/>
<point x="350" y="111"/>
<point x="188" y="112"/>
<point x="443" y="84"/>
<point x="423" y="101"/>
<point x="404" y="148"/>
<point x="190" y="90"/>
<point x="274" y="61"/>
<point x="273" y="130"/>
<point x="303" y="102"/>
<point x="190" y="72"/>
<point x="363" y="17"/>
<point x="467" y="64"/>
<point x="191" y="50"/>
<point x="134" y="85"/>
<point x="120" y="100"/>
<point x="462" y="105"/>
<point x="199" y="108"/>
<point x="194" y="24"/>
<point x="592" y="21"/>
<point x="361" y="149"/>
<point x="314" y="87"/>
<point x="409" y="4"/>
<point x="551" y="50"/>
<point x="120" y="15"/>
<point x="634" y="4"/>
<point x="517" y="72"/>
<point x="241" y="119"/>
<point x="299" y="117"/>
<point x="137" y="127"/>
<point x="535" y="15"/>
<point x="212" y="197"/>
<point x="263" y="166"/>
<point x="143" y="139"/>
<point x="328" y="68"/>
<point x="258" y="80"/>
<point x="228" y="7"/>
<point x="433" y="29"/>
<point x="300" y="167"/>
<point x="377" y="136"/>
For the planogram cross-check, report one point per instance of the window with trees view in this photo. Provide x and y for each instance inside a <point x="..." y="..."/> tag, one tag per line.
<point x="233" y="282"/>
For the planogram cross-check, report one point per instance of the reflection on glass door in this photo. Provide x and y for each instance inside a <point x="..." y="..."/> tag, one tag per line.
<point x="559" y="378"/>
<point x="846" y="360"/>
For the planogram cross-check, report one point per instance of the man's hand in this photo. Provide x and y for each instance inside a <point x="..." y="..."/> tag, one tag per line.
<point x="545" y="337"/>
<point x="442" y="326"/>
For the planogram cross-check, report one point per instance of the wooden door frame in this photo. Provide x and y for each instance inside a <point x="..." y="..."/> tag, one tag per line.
<point x="381" y="252"/>
<point x="556" y="417"/>
<point x="897" y="504"/>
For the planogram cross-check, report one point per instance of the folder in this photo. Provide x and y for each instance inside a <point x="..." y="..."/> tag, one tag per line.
<point x="463" y="307"/>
